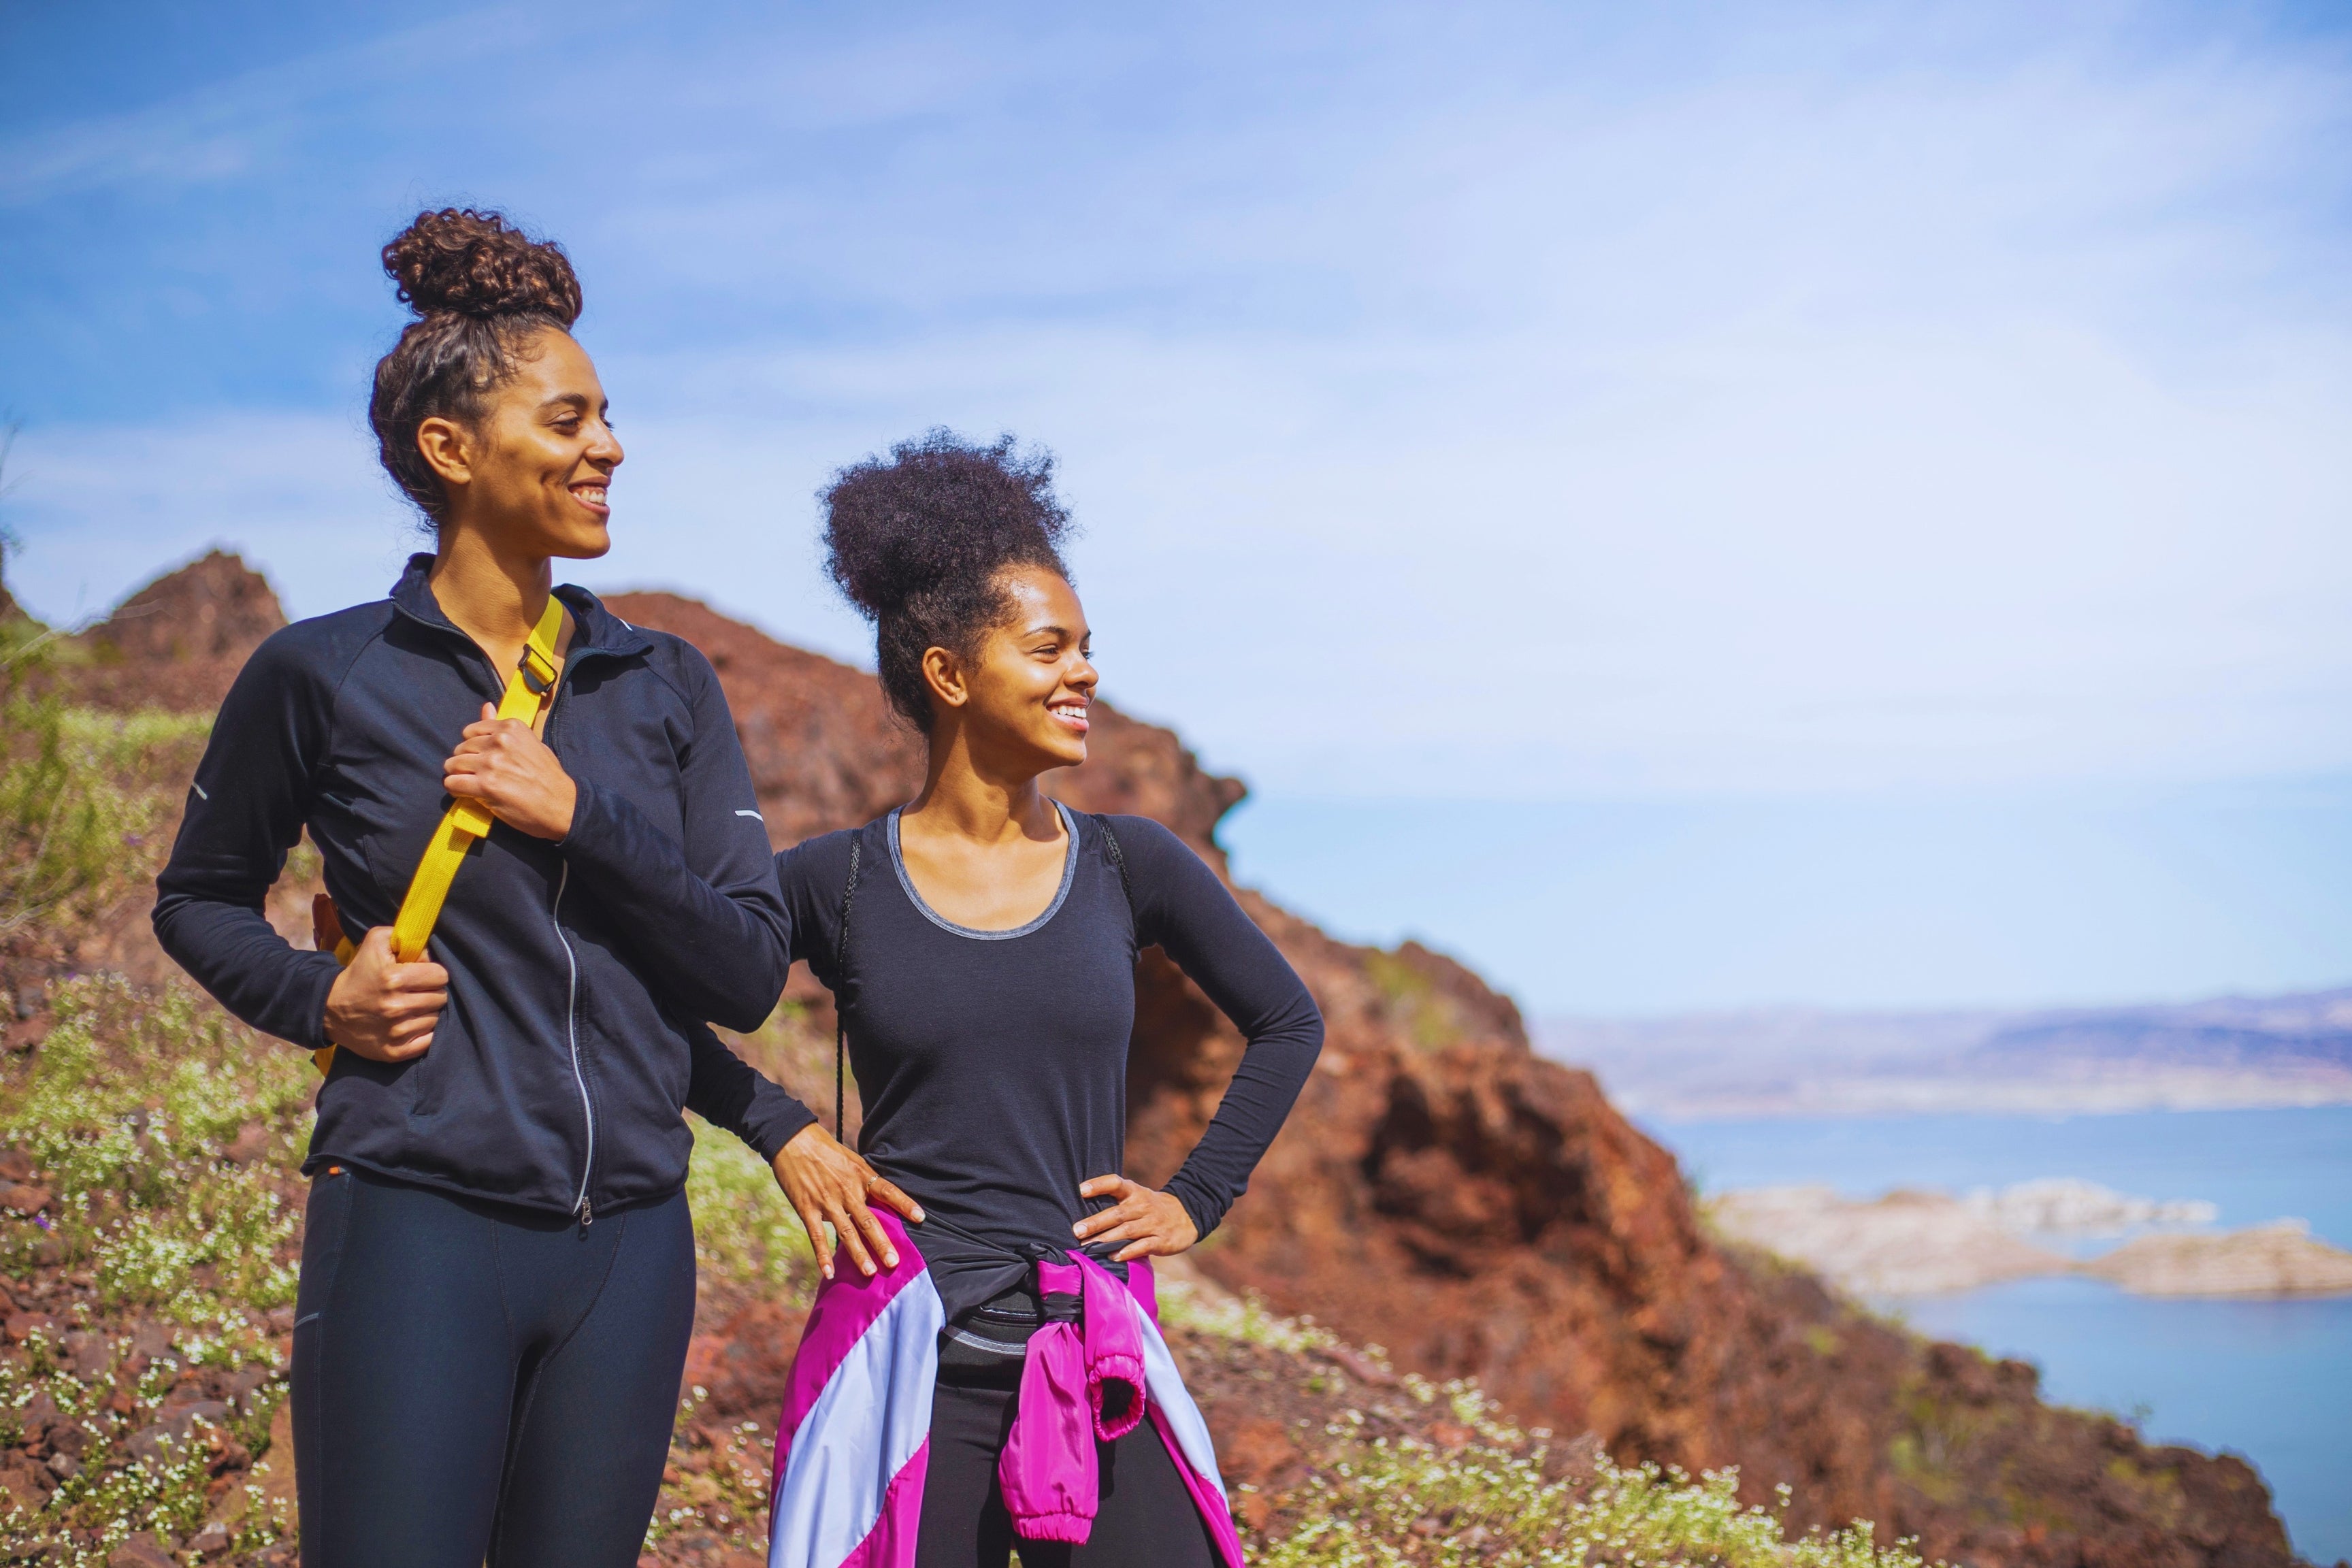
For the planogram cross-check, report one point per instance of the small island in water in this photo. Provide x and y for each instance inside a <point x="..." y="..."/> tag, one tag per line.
<point x="1915" y="1242"/>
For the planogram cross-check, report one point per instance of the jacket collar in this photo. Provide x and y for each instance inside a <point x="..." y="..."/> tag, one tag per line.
<point x="599" y="630"/>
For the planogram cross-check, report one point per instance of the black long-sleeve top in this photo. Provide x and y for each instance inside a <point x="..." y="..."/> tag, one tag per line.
<point x="580" y="973"/>
<point x="992" y="1065"/>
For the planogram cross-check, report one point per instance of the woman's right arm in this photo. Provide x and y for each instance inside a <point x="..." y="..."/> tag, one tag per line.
<point x="244" y="810"/>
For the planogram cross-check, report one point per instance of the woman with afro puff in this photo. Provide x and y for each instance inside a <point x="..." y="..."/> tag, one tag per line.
<point x="988" y="1367"/>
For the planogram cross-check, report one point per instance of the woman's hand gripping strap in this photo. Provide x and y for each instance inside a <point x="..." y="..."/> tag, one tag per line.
<point x="528" y="690"/>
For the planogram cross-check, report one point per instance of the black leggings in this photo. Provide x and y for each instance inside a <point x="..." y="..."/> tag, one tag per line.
<point x="1148" y="1520"/>
<point x="479" y="1382"/>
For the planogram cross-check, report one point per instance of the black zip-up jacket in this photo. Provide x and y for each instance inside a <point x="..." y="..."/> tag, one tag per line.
<point x="580" y="973"/>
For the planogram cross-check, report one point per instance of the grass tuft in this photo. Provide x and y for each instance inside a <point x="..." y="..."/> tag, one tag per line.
<point x="130" y="1108"/>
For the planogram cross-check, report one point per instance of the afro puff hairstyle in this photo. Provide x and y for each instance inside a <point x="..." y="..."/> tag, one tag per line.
<point x="918" y="542"/>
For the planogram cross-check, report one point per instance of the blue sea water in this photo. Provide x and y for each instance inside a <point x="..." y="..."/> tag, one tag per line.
<point x="2270" y="1380"/>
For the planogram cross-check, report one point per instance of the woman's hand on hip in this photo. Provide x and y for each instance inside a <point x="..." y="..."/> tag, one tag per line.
<point x="829" y="1185"/>
<point x="1153" y="1224"/>
<point x="382" y="1008"/>
<point x="503" y="764"/>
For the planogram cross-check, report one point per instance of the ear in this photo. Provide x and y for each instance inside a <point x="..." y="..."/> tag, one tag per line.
<point x="448" y="448"/>
<point x="943" y="673"/>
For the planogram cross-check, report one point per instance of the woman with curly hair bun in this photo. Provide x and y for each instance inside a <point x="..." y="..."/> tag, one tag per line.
<point x="993" y="1370"/>
<point x="536" y="825"/>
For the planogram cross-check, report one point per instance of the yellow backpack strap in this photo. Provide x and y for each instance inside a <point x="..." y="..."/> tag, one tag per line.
<point x="528" y="690"/>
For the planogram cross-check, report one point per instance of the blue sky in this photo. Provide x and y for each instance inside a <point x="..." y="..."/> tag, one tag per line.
<point x="1848" y="468"/>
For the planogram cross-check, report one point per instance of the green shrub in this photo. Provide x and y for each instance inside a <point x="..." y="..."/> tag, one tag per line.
<point x="73" y="835"/>
<point x="126" y="1108"/>
<point x="1403" y="1501"/>
<point x="1244" y="1317"/>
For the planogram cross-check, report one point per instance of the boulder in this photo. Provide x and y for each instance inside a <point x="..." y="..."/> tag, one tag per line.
<point x="178" y="642"/>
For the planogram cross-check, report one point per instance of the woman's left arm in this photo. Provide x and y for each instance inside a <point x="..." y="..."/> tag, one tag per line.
<point x="705" y="915"/>
<point x="1180" y="905"/>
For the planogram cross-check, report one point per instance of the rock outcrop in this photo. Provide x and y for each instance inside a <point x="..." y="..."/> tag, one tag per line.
<point x="2265" y="1260"/>
<point x="178" y="642"/>
<point x="1904" y="1244"/>
<point x="1445" y="1193"/>
<point x="1912" y="1243"/>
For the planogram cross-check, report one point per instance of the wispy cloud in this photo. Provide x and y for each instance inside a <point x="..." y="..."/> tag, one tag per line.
<point x="1799" y="397"/>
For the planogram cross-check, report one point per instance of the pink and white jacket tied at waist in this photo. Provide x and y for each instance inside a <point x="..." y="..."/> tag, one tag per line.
<point x="855" y="1434"/>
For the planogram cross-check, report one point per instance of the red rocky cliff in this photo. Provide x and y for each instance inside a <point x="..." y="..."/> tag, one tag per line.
<point x="1479" y="1211"/>
<point x="1442" y="1191"/>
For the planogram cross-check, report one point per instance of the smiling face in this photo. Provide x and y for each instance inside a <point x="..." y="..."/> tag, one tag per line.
<point x="1022" y="697"/>
<point x="532" y="472"/>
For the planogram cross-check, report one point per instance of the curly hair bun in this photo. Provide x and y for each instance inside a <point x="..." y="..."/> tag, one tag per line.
<point x="939" y="512"/>
<point x="468" y="263"/>
<point x="917" y="541"/>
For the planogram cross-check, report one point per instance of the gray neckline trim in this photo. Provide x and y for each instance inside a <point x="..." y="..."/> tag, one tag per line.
<point x="1070" y="875"/>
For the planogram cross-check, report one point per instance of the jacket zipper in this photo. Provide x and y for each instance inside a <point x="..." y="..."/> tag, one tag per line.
<point x="571" y="1037"/>
<point x="572" y="985"/>
<point x="555" y="915"/>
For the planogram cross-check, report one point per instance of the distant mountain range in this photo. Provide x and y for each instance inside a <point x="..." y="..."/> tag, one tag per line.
<point x="2228" y="1051"/>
